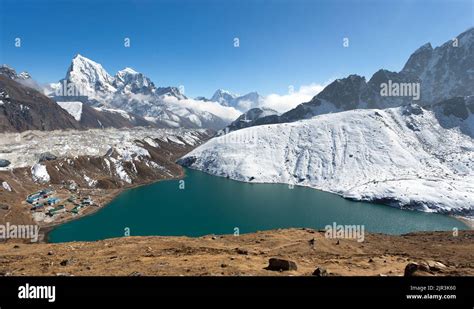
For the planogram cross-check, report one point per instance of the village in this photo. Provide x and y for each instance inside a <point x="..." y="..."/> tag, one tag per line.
<point x="49" y="205"/>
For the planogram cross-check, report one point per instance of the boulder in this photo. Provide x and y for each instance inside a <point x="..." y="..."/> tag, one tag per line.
<point x="4" y="163"/>
<point x="436" y="266"/>
<point x="276" y="264"/>
<point x="241" y="251"/>
<point x="4" y="207"/>
<point x="64" y="262"/>
<point x="47" y="156"/>
<point x="320" y="272"/>
<point x="417" y="269"/>
<point x="135" y="274"/>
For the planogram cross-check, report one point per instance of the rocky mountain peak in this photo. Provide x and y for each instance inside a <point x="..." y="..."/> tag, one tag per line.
<point x="11" y="73"/>
<point x="344" y="92"/>
<point x="89" y="75"/>
<point x="130" y="81"/>
<point x="223" y="97"/>
<point x="418" y="60"/>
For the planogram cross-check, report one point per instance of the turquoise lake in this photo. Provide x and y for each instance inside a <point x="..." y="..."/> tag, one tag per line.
<point x="215" y="205"/>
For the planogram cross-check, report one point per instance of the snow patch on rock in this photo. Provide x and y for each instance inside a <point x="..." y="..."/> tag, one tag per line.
<point x="40" y="173"/>
<point x="73" y="108"/>
<point x="120" y="171"/>
<point x="90" y="182"/>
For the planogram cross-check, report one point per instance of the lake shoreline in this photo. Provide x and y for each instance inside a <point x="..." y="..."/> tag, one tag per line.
<point x="469" y="222"/>
<point x="466" y="224"/>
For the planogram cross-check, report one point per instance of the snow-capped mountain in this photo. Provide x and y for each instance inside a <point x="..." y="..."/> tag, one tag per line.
<point x="223" y="97"/>
<point x="11" y="73"/>
<point x="24" y="76"/>
<point x="89" y="77"/>
<point x="129" y="81"/>
<point x="23" y="107"/>
<point x="247" y="101"/>
<point x="240" y="102"/>
<point x="441" y="73"/>
<point x="131" y="92"/>
<point x="171" y="91"/>
<point x="176" y="116"/>
<point x="408" y="157"/>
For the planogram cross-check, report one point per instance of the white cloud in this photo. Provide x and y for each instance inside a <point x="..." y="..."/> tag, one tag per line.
<point x="280" y="103"/>
<point x="224" y="112"/>
<point x="30" y="83"/>
<point x="245" y="105"/>
<point x="283" y="103"/>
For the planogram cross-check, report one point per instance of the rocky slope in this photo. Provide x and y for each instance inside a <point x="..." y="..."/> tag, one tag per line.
<point x="23" y="77"/>
<point x="96" y="163"/>
<point x="99" y="117"/>
<point x="435" y="253"/>
<point x="23" y="108"/>
<point x="445" y="71"/>
<point x="249" y="118"/>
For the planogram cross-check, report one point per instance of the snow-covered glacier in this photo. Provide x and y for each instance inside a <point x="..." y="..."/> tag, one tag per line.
<point x="409" y="157"/>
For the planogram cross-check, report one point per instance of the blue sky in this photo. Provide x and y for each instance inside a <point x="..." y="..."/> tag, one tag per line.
<point x="190" y="43"/>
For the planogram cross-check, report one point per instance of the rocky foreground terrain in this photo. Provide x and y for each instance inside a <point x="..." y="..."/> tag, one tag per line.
<point x="291" y="252"/>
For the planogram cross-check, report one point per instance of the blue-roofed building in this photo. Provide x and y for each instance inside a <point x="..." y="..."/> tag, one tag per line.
<point x="52" y="200"/>
<point x="33" y="197"/>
